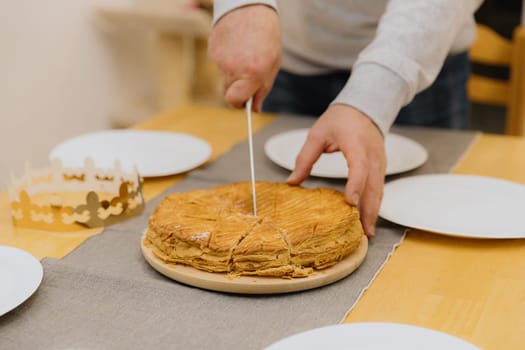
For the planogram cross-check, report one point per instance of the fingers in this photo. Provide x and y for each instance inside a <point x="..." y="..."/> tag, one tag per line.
<point x="241" y="90"/>
<point x="364" y="187"/>
<point x="258" y="99"/>
<point x="309" y="154"/>
<point x="371" y="199"/>
<point x="357" y="175"/>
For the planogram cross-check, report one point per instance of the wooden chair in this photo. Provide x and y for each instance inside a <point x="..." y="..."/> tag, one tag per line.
<point x="176" y="39"/>
<point x="491" y="49"/>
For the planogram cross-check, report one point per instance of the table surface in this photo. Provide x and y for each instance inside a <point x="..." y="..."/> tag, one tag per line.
<point x="470" y="288"/>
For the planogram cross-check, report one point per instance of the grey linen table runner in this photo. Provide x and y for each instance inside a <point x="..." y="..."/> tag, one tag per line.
<point x="105" y="296"/>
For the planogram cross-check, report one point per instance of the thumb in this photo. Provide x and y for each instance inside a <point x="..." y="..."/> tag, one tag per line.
<point x="240" y="91"/>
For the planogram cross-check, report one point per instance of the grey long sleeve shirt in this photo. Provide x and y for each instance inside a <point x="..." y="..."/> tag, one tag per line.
<point x="394" y="48"/>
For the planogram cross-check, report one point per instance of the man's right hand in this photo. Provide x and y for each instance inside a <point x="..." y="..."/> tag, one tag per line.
<point x="246" y="46"/>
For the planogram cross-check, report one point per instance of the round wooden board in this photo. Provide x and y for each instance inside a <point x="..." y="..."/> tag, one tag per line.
<point x="221" y="282"/>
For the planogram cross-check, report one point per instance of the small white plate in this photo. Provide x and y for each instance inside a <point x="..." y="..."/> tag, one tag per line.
<point x="20" y="276"/>
<point x="155" y="153"/>
<point x="457" y="205"/>
<point x="402" y="154"/>
<point x="372" y="336"/>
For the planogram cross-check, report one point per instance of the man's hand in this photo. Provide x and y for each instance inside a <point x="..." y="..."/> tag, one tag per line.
<point x="246" y="46"/>
<point x="343" y="128"/>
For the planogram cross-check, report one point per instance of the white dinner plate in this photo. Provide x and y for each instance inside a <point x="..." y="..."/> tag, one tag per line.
<point x="457" y="205"/>
<point x="402" y="154"/>
<point x="155" y="153"/>
<point x="372" y="336"/>
<point x="20" y="276"/>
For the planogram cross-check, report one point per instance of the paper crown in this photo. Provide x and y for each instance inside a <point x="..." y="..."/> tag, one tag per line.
<point x="69" y="199"/>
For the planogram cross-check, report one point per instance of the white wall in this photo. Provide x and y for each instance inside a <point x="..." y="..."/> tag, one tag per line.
<point x="56" y="78"/>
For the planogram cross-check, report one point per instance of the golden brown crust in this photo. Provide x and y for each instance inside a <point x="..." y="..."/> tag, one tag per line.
<point x="263" y="249"/>
<point x="296" y="229"/>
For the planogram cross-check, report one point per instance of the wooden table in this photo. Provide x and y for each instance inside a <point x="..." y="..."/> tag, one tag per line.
<point x="474" y="289"/>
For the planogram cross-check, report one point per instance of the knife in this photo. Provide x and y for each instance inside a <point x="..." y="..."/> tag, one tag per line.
<point x="250" y="145"/>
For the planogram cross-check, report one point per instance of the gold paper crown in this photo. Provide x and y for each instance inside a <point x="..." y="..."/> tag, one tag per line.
<point x="63" y="199"/>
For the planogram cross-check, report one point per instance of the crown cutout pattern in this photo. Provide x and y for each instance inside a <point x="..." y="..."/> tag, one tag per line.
<point x="70" y="199"/>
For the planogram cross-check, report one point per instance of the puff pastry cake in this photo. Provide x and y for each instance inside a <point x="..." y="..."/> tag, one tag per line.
<point x="296" y="229"/>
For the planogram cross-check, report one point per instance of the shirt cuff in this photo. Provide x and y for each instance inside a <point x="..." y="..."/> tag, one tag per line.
<point x="222" y="7"/>
<point x="377" y="92"/>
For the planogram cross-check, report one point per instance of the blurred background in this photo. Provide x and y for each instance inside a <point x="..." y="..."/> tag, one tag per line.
<point x="71" y="67"/>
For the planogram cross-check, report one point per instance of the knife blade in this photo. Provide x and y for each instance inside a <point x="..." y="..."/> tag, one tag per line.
<point x="250" y="146"/>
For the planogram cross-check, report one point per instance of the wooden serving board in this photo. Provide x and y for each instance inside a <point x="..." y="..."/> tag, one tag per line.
<point x="222" y="282"/>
